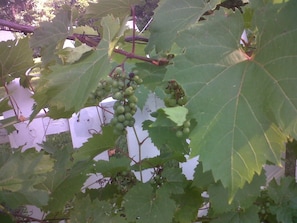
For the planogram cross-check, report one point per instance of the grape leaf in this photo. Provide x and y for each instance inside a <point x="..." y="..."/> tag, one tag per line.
<point x="71" y="55"/>
<point x="174" y="180"/>
<point x="146" y="206"/>
<point x="284" y="196"/>
<point x="65" y="188"/>
<point x="241" y="103"/>
<point x="68" y="86"/>
<point x="96" y="145"/>
<point x="188" y="204"/>
<point x="168" y="141"/>
<point x="178" y="15"/>
<point x="177" y="114"/>
<point x="15" y="59"/>
<point x="119" y="8"/>
<point x="50" y="36"/>
<point x="20" y="172"/>
<point x="244" y="197"/>
<point x="96" y="211"/>
<point x="240" y="216"/>
<point x="113" y="166"/>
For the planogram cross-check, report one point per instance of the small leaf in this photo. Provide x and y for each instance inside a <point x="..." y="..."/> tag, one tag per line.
<point x="96" y="145"/>
<point x="51" y="34"/>
<point x="71" y="55"/>
<point x="168" y="142"/>
<point x="176" y="114"/>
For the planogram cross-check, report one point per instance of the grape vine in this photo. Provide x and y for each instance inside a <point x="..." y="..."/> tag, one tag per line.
<point x="194" y="57"/>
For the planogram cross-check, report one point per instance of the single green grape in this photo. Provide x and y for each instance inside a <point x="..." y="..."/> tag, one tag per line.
<point x="120" y="109"/>
<point x="187" y="124"/>
<point x="121" y="118"/>
<point x="129" y="91"/>
<point x="120" y="126"/>
<point x="118" y="96"/>
<point x="186" y="130"/>
<point x="179" y="133"/>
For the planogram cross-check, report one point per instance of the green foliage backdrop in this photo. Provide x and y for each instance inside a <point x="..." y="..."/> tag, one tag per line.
<point x="229" y="99"/>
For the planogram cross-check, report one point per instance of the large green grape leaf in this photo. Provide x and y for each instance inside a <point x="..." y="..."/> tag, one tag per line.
<point x="50" y="36"/>
<point x="241" y="103"/>
<point x="15" y="59"/>
<point x="172" y="16"/>
<point x="68" y="86"/>
<point x="145" y="206"/>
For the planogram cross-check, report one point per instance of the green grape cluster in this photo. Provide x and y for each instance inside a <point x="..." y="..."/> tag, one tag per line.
<point x="101" y="92"/>
<point x="123" y="90"/>
<point x="183" y="130"/>
<point x="124" y="181"/>
<point x="175" y="95"/>
<point x="264" y="203"/>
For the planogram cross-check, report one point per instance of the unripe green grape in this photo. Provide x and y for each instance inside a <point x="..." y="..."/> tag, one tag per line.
<point x="121" y="84"/>
<point x="121" y="118"/>
<point x="139" y="81"/>
<point x="187" y="124"/>
<point x="115" y="84"/>
<point x="127" y="108"/>
<point x="120" y="109"/>
<point x="133" y="99"/>
<point x="131" y="122"/>
<point x="128" y="116"/>
<point x="108" y="81"/>
<point x="118" y="70"/>
<point x="186" y="130"/>
<point x="129" y="91"/>
<point x="179" y="133"/>
<point x="132" y="106"/>
<point x="118" y="96"/>
<point x="114" y="121"/>
<point x="126" y="123"/>
<point x="120" y="126"/>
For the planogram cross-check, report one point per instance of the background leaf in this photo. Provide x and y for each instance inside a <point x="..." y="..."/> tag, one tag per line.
<point x="50" y="36"/>
<point x="15" y="59"/>
<point x="145" y="206"/>
<point x="20" y="173"/>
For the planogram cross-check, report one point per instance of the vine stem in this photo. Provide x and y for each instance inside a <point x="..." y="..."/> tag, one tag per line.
<point x="134" y="28"/>
<point x="139" y="153"/>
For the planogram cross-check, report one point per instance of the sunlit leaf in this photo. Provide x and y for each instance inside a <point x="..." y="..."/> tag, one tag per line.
<point x="178" y="15"/>
<point x="239" y="119"/>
